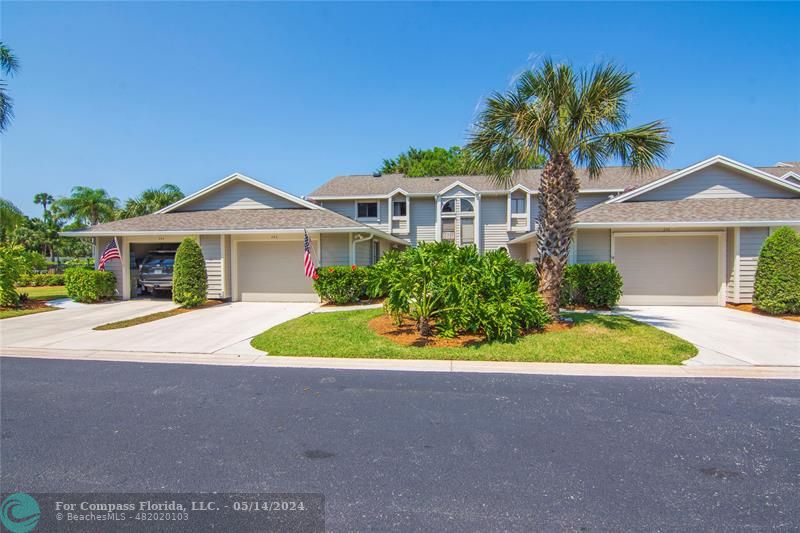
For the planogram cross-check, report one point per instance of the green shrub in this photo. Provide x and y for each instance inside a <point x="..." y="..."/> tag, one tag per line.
<point x="40" y="280"/>
<point x="463" y="291"/>
<point x="341" y="284"/>
<point x="379" y="274"/>
<point x="13" y="264"/>
<point x="89" y="286"/>
<point x="189" y="278"/>
<point x="777" y="284"/>
<point x="594" y="285"/>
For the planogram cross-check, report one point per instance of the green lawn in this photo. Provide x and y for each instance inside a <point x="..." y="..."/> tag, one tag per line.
<point x="44" y="293"/>
<point x="35" y="293"/>
<point x="594" y="339"/>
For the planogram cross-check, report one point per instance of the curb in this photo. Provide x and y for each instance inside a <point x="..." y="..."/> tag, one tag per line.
<point x="409" y="365"/>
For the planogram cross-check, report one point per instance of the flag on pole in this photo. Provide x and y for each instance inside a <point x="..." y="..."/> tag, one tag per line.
<point x="111" y="252"/>
<point x="308" y="261"/>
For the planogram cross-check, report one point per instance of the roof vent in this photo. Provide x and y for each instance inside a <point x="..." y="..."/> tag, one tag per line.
<point x="376" y="174"/>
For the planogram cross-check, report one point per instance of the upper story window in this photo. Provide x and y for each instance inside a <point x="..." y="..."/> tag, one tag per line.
<point x="449" y="206"/>
<point x="399" y="208"/>
<point x="466" y="206"/>
<point x="518" y="206"/>
<point x="367" y="210"/>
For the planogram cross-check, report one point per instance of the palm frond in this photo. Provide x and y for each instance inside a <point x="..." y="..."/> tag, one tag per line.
<point x="9" y="64"/>
<point x="640" y="148"/>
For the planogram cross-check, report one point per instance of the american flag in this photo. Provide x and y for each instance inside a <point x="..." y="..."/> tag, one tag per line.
<point x="111" y="252"/>
<point x="308" y="262"/>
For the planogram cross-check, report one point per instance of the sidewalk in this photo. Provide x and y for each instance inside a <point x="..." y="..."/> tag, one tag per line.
<point x="564" y="369"/>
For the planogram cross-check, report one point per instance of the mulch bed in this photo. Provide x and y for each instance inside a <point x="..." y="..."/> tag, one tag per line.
<point x="750" y="308"/>
<point x="360" y="302"/>
<point x="30" y="304"/>
<point x="407" y="335"/>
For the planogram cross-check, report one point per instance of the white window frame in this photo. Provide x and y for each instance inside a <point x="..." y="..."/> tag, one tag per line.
<point x="376" y="218"/>
<point x="519" y="214"/>
<point x="404" y="203"/>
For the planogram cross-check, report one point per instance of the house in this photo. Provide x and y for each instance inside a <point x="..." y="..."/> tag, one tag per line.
<point x="251" y="235"/>
<point x="683" y="237"/>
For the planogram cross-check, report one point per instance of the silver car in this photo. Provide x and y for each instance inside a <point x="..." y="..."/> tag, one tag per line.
<point x="155" y="272"/>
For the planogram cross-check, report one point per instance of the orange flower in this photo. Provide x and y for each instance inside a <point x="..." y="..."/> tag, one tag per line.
<point x="330" y="269"/>
<point x="353" y="267"/>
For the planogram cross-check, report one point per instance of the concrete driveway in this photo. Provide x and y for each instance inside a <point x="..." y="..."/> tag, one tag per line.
<point x="225" y="328"/>
<point x="726" y="336"/>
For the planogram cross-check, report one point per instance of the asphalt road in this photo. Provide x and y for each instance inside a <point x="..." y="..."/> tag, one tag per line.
<point x="413" y="451"/>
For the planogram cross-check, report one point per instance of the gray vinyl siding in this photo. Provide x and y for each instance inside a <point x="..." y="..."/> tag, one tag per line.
<point x="594" y="246"/>
<point x="716" y="182"/>
<point x="115" y="265"/>
<point x="519" y="225"/>
<point x="227" y="267"/>
<point x="212" y="253"/>
<point x="750" y="241"/>
<point x="585" y="201"/>
<point x="730" y="267"/>
<point x="423" y="220"/>
<point x="400" y="226"/>
<point x="364" y="252"/>
<point x="348" y="209"/>
<point x="238" y="195"/>
<point x="494" y="224"/>
<point x="334" y="249"/>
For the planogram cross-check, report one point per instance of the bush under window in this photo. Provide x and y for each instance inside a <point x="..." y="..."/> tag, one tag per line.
<point x="341" y="284"/>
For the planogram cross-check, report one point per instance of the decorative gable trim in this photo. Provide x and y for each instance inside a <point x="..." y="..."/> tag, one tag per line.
<point x="238" y="177"/>
<point x="458" y="184"/>
<point x="716" y="160"/>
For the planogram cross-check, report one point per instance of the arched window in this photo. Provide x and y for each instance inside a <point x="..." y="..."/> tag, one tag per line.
<point x="466" y="206"/>
<point x="449" y="206"/>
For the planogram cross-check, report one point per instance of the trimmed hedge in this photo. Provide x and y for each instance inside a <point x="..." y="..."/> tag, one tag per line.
<point x="594" y="285"/>
<point x="777" y="283"/>
<point x="13" y="263"/>
<point x="40" y="280"/>
<point x="341" y="284"/>
<point x="89" y="286"/>
<point x="189" y="278"/>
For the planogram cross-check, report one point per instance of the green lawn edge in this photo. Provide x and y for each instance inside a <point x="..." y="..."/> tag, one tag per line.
<point x="596" y="338"/>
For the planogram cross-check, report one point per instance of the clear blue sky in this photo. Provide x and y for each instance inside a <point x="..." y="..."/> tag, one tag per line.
<point x="133" y="95"/>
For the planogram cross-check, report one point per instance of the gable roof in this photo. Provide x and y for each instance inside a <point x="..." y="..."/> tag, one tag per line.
<point x="716" y="160"/>
<point x="245" y="179"/>
<point x="232" y="221"/>
<point x="613" y="179"/>
<point x="717" y="211"/>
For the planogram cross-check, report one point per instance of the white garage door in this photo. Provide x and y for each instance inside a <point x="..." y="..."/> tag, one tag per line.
<point x="668" y="270"/>
<point x="272" y="272"/>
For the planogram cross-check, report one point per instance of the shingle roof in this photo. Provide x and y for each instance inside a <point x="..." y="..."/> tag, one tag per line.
<point x="694" y="210"/>
<point x="780" y="171"/>
<point x="228" y="219"/>
<point x="612" y="178"/>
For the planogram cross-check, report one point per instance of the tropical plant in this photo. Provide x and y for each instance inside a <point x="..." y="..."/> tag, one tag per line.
<point x="189" y="279"/>
<point x="571" y="119"/>
<point x="89" y="206"/>
<point x="777" y="283"/>
<point x="89" y="286"/>
<point x="10" y="218"/>
<point x="44" y="199"/>
<point x="151" y="200"/>
<point x="9" y="65"/>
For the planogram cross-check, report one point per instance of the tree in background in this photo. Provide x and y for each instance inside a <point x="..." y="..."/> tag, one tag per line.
<point x="151" y="200"/>
<point x="9" y="65"/>
<point x="89" y="206"/>
<point x="10" y="218"/>
<point x="571" y="119"/>
<point x="44" y="199"/>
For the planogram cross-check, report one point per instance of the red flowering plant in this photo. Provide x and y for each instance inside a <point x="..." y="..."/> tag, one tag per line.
<point x="341" y="284"/>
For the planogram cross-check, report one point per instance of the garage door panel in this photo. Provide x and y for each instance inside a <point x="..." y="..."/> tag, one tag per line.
<point x="273" y="272"/>
<point x="668" y="270"/>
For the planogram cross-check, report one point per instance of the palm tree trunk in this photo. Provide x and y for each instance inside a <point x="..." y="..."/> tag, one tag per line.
<point x="424" y="327"/>
<point x="558" y="192"/>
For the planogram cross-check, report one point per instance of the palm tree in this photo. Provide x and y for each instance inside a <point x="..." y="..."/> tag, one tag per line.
<point x="44" y="199"/>
<point x="10" y="218"/>
<point x="573" y="119"/>
<point x="151" y="200"/>
<point x="9" y="65"/>
<point x="89" y="205"/>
